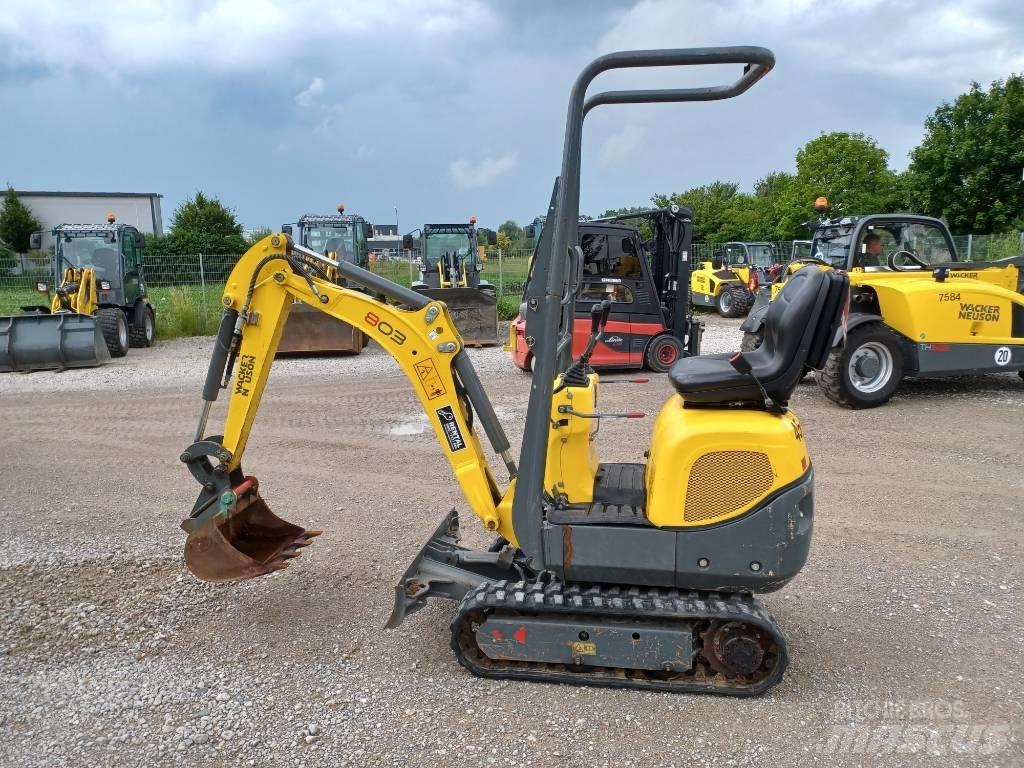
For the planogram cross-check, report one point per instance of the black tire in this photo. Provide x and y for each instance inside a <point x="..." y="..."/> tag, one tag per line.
<point x="752" y="341"/>
<point x="733" y="300"/>
<point x="142" y="332"/>
<point x="662" y="353"/>
<point x="114" y="326"/>
<point x="865" y="370"/>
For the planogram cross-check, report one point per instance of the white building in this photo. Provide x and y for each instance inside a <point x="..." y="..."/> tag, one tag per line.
<point x="139" y="209"/>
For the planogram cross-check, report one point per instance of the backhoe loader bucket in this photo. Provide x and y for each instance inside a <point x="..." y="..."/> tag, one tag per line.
<point x="41" y="341"/>
<point x="309" y="331"/>
<point x="243" y="539"/>
<point x="475" y="312"/>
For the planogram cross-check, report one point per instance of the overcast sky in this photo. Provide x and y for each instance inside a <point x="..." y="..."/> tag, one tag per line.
<point x="446" y="108"/>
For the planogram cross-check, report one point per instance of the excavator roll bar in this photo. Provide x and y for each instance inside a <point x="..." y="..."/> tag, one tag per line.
<point x="549" y="317"/>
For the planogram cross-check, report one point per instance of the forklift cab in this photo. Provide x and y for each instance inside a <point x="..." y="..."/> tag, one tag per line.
<point x="615" y="268"/>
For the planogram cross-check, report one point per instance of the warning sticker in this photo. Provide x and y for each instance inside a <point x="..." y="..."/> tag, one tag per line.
<point x="450" y="427"/>
<point x="1003" y="356"/>
<point x="430" y="379"/>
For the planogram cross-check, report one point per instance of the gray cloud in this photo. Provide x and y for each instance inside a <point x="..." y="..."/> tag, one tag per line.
<point x="448" y="106"/>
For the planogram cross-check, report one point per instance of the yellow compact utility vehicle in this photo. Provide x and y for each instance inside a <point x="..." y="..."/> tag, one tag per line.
<point x="99" y="307"/>
<point x="635" y="575"/>
<point x="916" y="309"/>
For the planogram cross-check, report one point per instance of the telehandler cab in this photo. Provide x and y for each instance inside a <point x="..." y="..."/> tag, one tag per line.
<point x="916" y="309"/>
<point x="625" y="575"/>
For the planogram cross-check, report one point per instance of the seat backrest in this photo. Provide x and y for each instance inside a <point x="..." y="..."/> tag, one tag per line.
<point x="837" y="302"/>
<point x="798" y="329"/>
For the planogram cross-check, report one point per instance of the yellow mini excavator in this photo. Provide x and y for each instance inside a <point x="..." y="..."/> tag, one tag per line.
<point x="633" y="575"/>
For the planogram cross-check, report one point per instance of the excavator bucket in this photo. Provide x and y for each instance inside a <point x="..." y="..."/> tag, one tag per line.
<point x="39" y="341"/>
<point x="310" y="332"/>
<point x="475" y="313"/>
<point x="243" y="539"/>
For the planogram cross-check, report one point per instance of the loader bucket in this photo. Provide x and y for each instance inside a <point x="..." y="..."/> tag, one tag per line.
<point x="41" y="341"/>
<point x="310" y="332"/>
<point x="244" y="539"/>
<point x="475" y="313"/>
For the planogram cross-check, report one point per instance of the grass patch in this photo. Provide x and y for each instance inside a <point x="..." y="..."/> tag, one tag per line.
<point x="508" y="307"/>
<point x="13" y="299"/>
<point x="186" y="310"/>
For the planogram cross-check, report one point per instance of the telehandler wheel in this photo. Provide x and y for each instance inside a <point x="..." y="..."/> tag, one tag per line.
<point x="864" y="371"/>
<point x="142" y="331"/>
<point x="662" y="353"/>
<point x="114" y="326"/>
<point x="733" y="301"/>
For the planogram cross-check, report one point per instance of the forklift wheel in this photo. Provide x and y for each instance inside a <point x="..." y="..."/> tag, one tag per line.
<point x="662" y="353"/>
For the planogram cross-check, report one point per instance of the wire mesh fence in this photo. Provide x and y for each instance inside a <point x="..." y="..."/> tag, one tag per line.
<point x="190" y="286"/>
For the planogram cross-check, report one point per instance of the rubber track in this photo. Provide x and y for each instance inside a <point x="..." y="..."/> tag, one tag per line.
<point x="555" y="598"/>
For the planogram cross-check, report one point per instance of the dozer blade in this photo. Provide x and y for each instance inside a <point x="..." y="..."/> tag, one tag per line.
<point x="475" y="313"/>
<point x="310" y="332"/>
<point x="243" y="539"/>
<point x="40" y="342"/>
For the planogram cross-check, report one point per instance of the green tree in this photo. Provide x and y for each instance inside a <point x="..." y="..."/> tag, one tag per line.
<point x="512" y="231"/>
<point x="850" y="169"/>
<point x="256" y="235"/>
<point x="709" y="204"/>
<point x="643" y="226"/>
<point x="17" y="222"/>
<point x="8" y="258"/>
<point x="207" y="215"/>
<point x="503" y="240"/>
<point x="968" y="167"/>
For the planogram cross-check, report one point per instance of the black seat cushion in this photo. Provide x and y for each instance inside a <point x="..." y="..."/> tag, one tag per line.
<point x="798" y="325"/>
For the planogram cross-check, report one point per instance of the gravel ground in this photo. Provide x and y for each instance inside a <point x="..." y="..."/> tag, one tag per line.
<point x="905" y="627"/>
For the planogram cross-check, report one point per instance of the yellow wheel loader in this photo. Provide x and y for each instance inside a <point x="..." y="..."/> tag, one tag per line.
<point x="637" y="575"/>
<point x="916" y="309"/>
<point x="451" y="271"/>
<point x="729" y="282"/>
<point x="99" y="309"/>
<point x="341" y="237"/>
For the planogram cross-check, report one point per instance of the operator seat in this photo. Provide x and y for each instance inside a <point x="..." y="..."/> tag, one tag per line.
<point x="798" y="331"/>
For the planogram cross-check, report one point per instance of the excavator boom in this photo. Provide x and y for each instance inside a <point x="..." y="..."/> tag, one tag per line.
<point x="232" y="533"/>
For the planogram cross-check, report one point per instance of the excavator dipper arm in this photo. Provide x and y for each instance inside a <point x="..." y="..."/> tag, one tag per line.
<point x="232" y="533"/>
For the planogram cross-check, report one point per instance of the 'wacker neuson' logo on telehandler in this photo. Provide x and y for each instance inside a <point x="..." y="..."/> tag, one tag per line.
<point x="987" y="312"/>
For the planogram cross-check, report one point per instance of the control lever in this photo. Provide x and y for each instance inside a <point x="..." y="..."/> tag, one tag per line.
<point x="576" y="375"/>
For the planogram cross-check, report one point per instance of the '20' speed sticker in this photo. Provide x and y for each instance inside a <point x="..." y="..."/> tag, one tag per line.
<point x="1003" y="356"/>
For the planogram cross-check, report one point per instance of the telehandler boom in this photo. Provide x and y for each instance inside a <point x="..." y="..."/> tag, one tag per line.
<point x="626" y="575"/>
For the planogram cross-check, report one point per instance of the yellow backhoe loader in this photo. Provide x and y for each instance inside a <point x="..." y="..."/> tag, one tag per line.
<point x="611" y="574"/>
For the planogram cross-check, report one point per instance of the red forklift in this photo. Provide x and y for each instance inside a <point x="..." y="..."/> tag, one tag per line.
<point x="647" y="281"/>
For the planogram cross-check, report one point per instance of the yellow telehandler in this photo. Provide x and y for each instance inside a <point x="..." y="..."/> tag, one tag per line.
<point x="635" y="575"/>
<point x="916" y="309"/>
